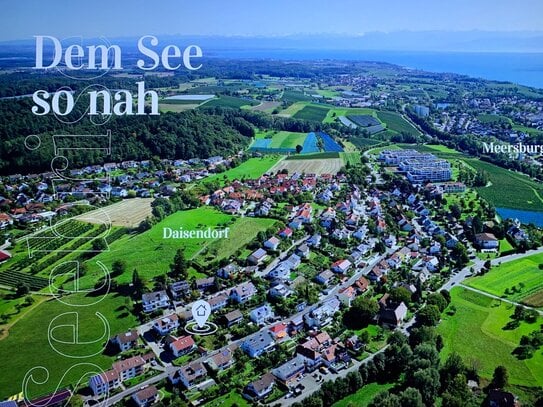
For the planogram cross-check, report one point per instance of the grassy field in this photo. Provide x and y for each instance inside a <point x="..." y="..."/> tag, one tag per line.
<point x="312" y="112"/>
<point x="230" y="101"/>
<point x="285" y="139"/>
<point x="252" y="168"/>
<point x="151" y="254"/>
<point x="352" y="158"/>
<point x="516" y="273"/>
<point x="364" y="396"/>
<point x="335" y="112"/>
<point x="492" y="118"/>
<point x="27" y="344"/>
<point x="397" y="123"/>
<point x="476" y="331"/>
<point x="229" y="399"/>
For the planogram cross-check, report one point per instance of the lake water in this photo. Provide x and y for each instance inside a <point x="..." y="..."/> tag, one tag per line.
<point x="524" y="216"/>
<point x="522" y="68"/>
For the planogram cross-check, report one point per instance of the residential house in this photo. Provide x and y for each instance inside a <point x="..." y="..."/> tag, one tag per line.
<point x="146" y="397"/>
<point x="218" y="302"/>
<point x="129" y="368"/>
<point x="322" y="315"/>
<point x="272" y="243"/>
<point x="346" y="296"/>
<point x="324" y="277"/>
<point x="155" y="300"/>
<point x="289" y="371"/>
<point x="205" y="284"/>
<point x="192" y="374"/>
<point x="258" y="344"/>
<point x="233" y="317"/>
<point x="341" y="266"/>
<point x="261" y="314"/>
<point x="228" y="270"/>
<point x="243" y="292"/>
<point x="286" y="233"/>
<point x="181" y="346"/>
<point x="280" y="291"/>
<point x="221" y="361"/>
<point x="259" y="389"/>
<point x="257" y="257"/>
<point x="104" y="382"/>
<point x="126" y="341"/>
<point x="179" y="289"/>
<point x="279" y="331"/>
<point x="303" y="251"/>
<point x="166" y="324"/>
<point x="393" y="314"/>
<point x="486" y="241"/>
<point x="361" y="285"/>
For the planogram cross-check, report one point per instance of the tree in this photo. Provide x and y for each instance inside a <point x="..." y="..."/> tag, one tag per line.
<point x="400" y="294"/>
<point x="179" y="267"/>
<point x="429" y="315"/>
<point x="385" y="399"/>
<point x="411" y="397"/>
<point x="453" y="366"/>
<point x="118" y="267"/>
<point x="500" y="379"/>
<point x="137" y="282"/>
<point x="427" y="382"/>
<point x="299" y="149"/>
<point x="438" y="300"/>
<point x="22" y="289"/>
<point x="361" y="313"/>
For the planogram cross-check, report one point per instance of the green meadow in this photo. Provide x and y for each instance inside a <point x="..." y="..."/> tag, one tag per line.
<point x="28" y="346"/>
<point x="476" y="332"/>
<point x="523" y="274"/>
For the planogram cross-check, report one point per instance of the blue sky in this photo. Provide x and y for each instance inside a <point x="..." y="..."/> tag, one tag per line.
<point x="21" y="19"/>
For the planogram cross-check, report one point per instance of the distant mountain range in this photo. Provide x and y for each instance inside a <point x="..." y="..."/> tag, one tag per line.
<point x="451" y="41"/>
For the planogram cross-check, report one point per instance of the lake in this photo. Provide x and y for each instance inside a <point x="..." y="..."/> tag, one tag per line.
<point x="525" y="68"/>
<point x="524" y="216"/>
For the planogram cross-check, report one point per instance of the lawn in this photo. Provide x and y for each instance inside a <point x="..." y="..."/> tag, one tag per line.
<point x="151" y="254"/>
<point x="229" y="399"/>
<point x="313" y="113"/>
<point x="524" y="274"/>
<point x="476" y="331"/>
<point x="397" y="123"/>
<point x="364" y="396"/>
<point x="27" y="344"/>
<point x="250" y="169"/>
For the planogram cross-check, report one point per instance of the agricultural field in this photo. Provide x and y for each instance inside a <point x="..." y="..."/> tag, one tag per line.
<point x="492" y="118"/>
<point x="352" y="158"/>
<point x="336" y="112"/>
<point x="311" y="166"/>
<point x="476" y="332"/>
<point x="295" y="96"/>
<point x="250" y="169"/>
<point x="176" y="108"/>
<point x="286" y="139"/>
<point x="229" y="101"/>
<point x="522" y="274"/>
<point x="397" y="123"/>
<point x="522" y="192"/>
<point x="313" y="113"/>
<point x="266" y="107"/>
<point x="293" y="109"/>
<point x="151" y="254"/>
<point x="30" y="334"/>
<point x="127" y="213"/>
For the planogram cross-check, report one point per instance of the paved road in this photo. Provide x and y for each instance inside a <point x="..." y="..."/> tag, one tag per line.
<point x="282" y="256"/>
<point x="145" y="327"/>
